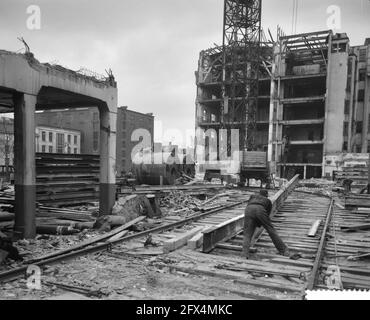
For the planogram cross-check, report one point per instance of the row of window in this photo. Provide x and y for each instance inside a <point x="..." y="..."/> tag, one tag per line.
<point x="357" y="149"/>
<point x="51" y="150"/>
<point x="51" y="134"/>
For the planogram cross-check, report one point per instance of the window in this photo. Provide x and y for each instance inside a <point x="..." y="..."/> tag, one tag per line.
<point x="362" y="57"/>
<point x="43" y="149"/>
<point x="95" y="140"/>
<point x="345" y="129"/>
<point x="75" y="150"/>
<point x="75" y="139"/>
<point x="368" y="146"/>
<point x="43" y="136"/>
<point x="60" y="142"/>
<point x="69" y="150"/>
<point x="50" y="137"/>
<point x="362" y="75"/>
<point x="50" y="149"/>
<point x="345" y="146"/>
<point x="359" y="127"/>
<point x="69" y="139"/>
<point x="361" y="95"/>
<point x="346" y="106"/>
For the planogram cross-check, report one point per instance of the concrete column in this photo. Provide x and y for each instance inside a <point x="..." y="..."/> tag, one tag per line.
<point x="24" y="160"/>
<point x="107" y="160"/>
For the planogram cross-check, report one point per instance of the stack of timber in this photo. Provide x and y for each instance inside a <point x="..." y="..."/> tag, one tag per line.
<point x="358" y="200"/>
<point x="355" y="168"/>
<point x="67" y="179"/>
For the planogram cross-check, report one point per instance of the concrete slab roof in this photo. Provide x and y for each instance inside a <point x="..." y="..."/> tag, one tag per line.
<point x="52" y="84"/>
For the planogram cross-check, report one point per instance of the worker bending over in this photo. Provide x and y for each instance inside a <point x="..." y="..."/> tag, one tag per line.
<point x="257" y="214"/>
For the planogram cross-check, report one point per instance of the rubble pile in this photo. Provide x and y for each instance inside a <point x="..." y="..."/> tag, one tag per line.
<point x="178" y="200"/>
<point x="316" y="186"/>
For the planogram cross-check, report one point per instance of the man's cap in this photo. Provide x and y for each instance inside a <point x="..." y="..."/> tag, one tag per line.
<point x="264" y="193"/>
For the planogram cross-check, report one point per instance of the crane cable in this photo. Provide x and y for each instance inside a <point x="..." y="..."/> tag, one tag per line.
<point x="295" y="16"/>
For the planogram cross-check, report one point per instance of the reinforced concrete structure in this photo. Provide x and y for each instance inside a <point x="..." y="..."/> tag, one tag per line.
<point x="313" y="101"/>
<point x="26" y="85"/>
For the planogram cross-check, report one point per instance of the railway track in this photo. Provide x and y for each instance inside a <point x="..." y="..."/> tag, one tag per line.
<point x="277" y="276"/>
<point x="331" y="246"/>
<point x="170" y="226"/>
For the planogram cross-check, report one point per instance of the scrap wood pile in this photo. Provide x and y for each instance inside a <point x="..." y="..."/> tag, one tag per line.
<point x="130" y="214"/>
<point x="181" y="203"/>
<point x="355" y="169"/>
<point x="316" y="186"/>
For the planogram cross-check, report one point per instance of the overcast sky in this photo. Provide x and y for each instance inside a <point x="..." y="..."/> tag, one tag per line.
<point x="153" y="46"/>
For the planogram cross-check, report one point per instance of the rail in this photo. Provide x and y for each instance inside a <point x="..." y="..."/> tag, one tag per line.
<point x="320" y="251"/>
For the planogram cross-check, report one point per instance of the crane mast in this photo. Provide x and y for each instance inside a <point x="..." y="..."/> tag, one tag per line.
<point x="240" y="68"/>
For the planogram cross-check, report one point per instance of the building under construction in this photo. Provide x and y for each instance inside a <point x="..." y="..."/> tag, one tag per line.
<point x="312" y="101"/>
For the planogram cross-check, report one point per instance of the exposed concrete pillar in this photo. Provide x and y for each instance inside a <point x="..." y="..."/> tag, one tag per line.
<point x="24" y="160"/>
<point x="107" y="160"/>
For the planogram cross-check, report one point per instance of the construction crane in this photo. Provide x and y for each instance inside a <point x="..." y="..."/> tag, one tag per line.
<point x="240" y="74"/>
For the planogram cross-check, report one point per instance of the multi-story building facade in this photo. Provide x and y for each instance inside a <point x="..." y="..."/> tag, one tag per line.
<point x="6" y="141"/>
<point x="55" y="140"/>
<point x="85" y="120"/>
<point x="127" y="122"/>
<point x="313" y="105"/>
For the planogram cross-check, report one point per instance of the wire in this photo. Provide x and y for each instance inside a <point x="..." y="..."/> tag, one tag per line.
<point x="295" y="16"/>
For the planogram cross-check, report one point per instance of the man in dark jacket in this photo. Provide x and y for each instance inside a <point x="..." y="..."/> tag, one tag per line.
<point x="257" y="214"/>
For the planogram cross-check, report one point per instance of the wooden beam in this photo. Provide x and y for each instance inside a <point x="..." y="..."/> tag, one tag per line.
<point x="314" y="228"/>
<point x="232" y="227"/>
<point x="181" y="240"/>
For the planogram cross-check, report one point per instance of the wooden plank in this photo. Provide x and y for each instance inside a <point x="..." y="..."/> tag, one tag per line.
<point x="356" y="227"/>
<point x="118" y="236"/>
<point x="197" y="241"/>
<point x="222" y="232"/>
<point x="181" y="240"/>
<point x="276" y="285"/>
<point x="315" y="227"/>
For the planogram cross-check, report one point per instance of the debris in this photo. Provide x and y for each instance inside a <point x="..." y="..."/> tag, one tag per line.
<point x="6" y="216"/>
<point x="58" y="230"/>
<point x="69" y="296"/>
<point x="149" y="241"/>
<point x="359" y="257"/>
<point x="90" y="242"/>
<point x="356" y="227"/>
<point x="3" y="255"/>
<point x="133" y="206"/>
<point x="81" y="290"/>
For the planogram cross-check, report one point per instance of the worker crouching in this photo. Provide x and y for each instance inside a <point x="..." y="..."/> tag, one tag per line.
<point x="257" y="214"/>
